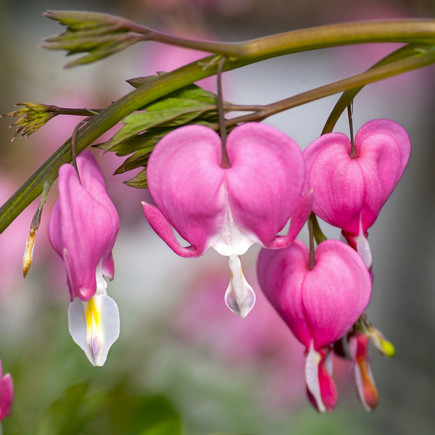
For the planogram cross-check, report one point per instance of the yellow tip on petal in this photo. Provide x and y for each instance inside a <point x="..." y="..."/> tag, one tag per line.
<point x="388" y="348"/>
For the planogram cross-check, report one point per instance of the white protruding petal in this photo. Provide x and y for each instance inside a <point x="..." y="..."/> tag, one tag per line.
<point x="94" y="326"/>
<point x="239" y="297"/>
<point x="231" y="240"/>
<point x="363" y="249"/>
<point x="312" y="377"/>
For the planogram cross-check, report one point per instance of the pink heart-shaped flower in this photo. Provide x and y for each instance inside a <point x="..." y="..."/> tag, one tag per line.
<point x="321" y="304"/>
<point x="225" y="208"/>
<point x="350" y="192"/>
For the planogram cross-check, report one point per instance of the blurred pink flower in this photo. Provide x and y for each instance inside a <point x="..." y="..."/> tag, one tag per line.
<point x="6" y="394"/>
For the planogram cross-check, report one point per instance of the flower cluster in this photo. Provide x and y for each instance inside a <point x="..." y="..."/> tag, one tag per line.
<point x="229" y="202"/>
<point x="229" y="197"/>
<point x="322" y="297"/>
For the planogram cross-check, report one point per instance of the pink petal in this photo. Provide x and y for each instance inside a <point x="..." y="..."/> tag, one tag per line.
<point x="383" y="149"/>
<point x="226" y="208"/>
<point x="336" y="180"/>
<point x="321" y="304"/>
<point x="90" y="172"/>
<point x="349" y="191"/>
<point x="162" y="227"/>
<point x="185" y="179"/>
<point x="265" y="179"/>
<point x="335" y="292"/>
<point x="321" y="388"/>
<point x="301" y="212"/>
<point x="281" y="274"/>
<point x="82" y="227"/>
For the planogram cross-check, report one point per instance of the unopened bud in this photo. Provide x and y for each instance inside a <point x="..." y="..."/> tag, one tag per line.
<point x="381" y="343"/>
<point x="28" y="253"/>
<point x="30" y="244"/>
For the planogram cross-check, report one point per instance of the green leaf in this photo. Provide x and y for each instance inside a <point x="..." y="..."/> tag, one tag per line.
<point x="63" y="417"/>
<point x="82" y="21"/>
<point x="170" y="427"/>
<point x="145" y="140"/>
<point x="190" y="92"/>
<point x="102" y="50"/>
<point x="178" y="108"/>
<point x="99" y="35"/>
<point x="139" y="158"/>
<point x="173" y="112"/>
<point x="139" y="181"/>
<point x="139" y="81"/>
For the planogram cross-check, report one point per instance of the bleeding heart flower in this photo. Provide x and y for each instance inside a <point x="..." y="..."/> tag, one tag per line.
<point x="227" y="208"/>
<point x="6" y="394"/>
<point x="82" y="230"/>
<point x="319" y="305"/>
<point x="350" y="190"/>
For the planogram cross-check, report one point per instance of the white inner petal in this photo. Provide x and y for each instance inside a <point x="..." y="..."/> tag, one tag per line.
<point x="363" y="249"/>
<point x="94" y="325"/>
<point x="239" y="297"/>
<point x="312" y="377"/>
<point x="231" y="240"/>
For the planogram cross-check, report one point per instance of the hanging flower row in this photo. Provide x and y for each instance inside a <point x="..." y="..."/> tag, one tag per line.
<point x="229" y="198"/>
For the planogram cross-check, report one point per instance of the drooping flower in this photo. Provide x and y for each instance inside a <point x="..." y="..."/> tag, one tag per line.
<point x="319" y="305"/>
<point x="350" y="190"/>
<point x="82" y="230"/>
<point x="227" y="208"/>
<point x="6" y="394"/>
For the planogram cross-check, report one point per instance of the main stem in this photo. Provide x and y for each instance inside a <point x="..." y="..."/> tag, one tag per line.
<point x="253" y="51"/>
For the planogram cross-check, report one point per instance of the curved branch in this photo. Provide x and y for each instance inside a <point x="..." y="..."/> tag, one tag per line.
<point x="254" y="51"/>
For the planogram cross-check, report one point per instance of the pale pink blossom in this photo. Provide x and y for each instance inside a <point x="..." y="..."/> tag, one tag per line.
<point x="82" y="230"/>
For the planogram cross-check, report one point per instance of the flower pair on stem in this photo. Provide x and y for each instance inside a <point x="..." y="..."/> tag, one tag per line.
<point x="322" y="299"/>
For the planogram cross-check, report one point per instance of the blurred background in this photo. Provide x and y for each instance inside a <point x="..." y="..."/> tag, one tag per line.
<point x="183" y="361"/>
